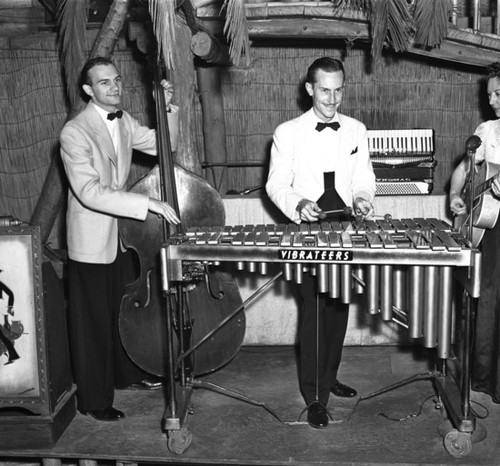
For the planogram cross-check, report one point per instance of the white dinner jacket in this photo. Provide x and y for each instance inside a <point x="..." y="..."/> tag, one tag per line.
<point x="294" y="175"/>
<point x="97" y="176"/>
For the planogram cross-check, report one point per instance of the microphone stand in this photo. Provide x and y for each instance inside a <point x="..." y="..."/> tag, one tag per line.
<point x="471" y="146"/>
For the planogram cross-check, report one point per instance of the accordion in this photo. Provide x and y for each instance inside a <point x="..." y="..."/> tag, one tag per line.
<point x="403" y="160"/>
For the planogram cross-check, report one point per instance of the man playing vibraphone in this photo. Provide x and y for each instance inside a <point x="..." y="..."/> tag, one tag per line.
<point x="320" y="163"/>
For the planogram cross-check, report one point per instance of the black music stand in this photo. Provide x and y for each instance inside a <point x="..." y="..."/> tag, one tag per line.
<point x="460" y="430"/>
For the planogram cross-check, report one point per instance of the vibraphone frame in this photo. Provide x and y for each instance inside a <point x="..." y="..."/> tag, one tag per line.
<point x="433" y="245"/>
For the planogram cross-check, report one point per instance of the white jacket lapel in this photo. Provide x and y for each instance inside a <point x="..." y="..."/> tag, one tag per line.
<point x="103" y="138"/>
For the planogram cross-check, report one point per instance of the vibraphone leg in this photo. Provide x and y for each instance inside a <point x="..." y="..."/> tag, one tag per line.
<point x="179" y="436"/>
<point x="461" y="430"/>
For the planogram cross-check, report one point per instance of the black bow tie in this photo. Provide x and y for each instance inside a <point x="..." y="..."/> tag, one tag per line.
<point x="334" y="125"/>
<point x="117" y="114"/>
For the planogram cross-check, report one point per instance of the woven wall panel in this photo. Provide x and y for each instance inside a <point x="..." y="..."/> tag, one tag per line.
<point x="396" y="93"/>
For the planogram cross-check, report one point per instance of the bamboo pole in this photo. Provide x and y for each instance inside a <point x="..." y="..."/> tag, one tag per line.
<point x="214" y="126"/>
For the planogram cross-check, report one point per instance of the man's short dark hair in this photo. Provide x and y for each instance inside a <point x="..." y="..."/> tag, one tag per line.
<point x="494" y="70"/>
<point x="327" y="64"/>
<point x="96" y="61"/>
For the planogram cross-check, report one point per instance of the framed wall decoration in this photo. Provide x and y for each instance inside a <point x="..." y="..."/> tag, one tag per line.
<point x="20" y="311"/>
<point x="36" y="389"/>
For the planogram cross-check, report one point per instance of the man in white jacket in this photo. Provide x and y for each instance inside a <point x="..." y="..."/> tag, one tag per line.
<point x="96" y="149"/>
<point x="320" y="162"/>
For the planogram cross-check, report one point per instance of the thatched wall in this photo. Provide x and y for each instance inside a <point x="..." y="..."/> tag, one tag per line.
<point x="32" y="113"/>
<point x="397" y="93"/>
<point x="400" y="93"/>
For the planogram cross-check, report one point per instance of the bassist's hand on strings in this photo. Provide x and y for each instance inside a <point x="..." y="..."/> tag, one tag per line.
<point x="168" y="92"/>
<point x="168" y="89"/>
<point x="163" y="209"/>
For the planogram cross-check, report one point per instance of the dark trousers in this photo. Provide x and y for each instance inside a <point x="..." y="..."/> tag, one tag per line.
<point x="322" y="329"/>
<point x="323" y="321"/>
<point x="485" y="375"/>
<point x="99" y="360"/>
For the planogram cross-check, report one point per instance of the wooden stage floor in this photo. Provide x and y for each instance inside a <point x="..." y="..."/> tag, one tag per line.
<point x="399" y="427"/>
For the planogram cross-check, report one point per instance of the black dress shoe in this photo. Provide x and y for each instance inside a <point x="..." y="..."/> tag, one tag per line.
<point x="317" y="415"/>
<point x="339" y="389"/>
<point x="147" y="384"/>
<point x="106" y="414"/>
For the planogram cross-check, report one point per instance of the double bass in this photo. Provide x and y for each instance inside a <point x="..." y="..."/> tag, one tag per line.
<point x="195" y="309"/>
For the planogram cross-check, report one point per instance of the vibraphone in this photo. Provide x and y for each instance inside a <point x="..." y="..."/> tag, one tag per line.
<point x="406" y="267"/>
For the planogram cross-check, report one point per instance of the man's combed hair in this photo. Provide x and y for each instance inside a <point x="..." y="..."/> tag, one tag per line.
<point x="85" y="76"/>
<point x="96" y="61"/>
<point x="494" y="70"/>
<point x="327" y="64"/>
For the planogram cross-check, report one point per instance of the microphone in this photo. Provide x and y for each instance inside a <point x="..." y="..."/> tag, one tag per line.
<point x="472" y="143"/>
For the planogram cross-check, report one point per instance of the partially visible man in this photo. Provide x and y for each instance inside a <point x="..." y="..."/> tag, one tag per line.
<point x="96" y="149"/>
<point x="320" y="162"/>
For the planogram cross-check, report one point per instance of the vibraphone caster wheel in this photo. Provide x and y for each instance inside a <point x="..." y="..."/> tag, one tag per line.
<point x="179" y="440"/>
<point x="458" y="444"/>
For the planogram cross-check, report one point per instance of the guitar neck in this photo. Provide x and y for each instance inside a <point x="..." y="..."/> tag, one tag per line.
<point x="484" y="187"/>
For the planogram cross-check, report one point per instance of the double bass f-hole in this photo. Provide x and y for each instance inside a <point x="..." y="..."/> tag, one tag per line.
<point x="137" y="303"/>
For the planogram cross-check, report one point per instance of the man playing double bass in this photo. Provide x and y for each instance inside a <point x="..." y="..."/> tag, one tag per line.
<point x="96" y="149"/>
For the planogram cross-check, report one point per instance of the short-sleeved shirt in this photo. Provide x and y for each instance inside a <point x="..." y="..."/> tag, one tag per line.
<point x="489" y="133"/>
